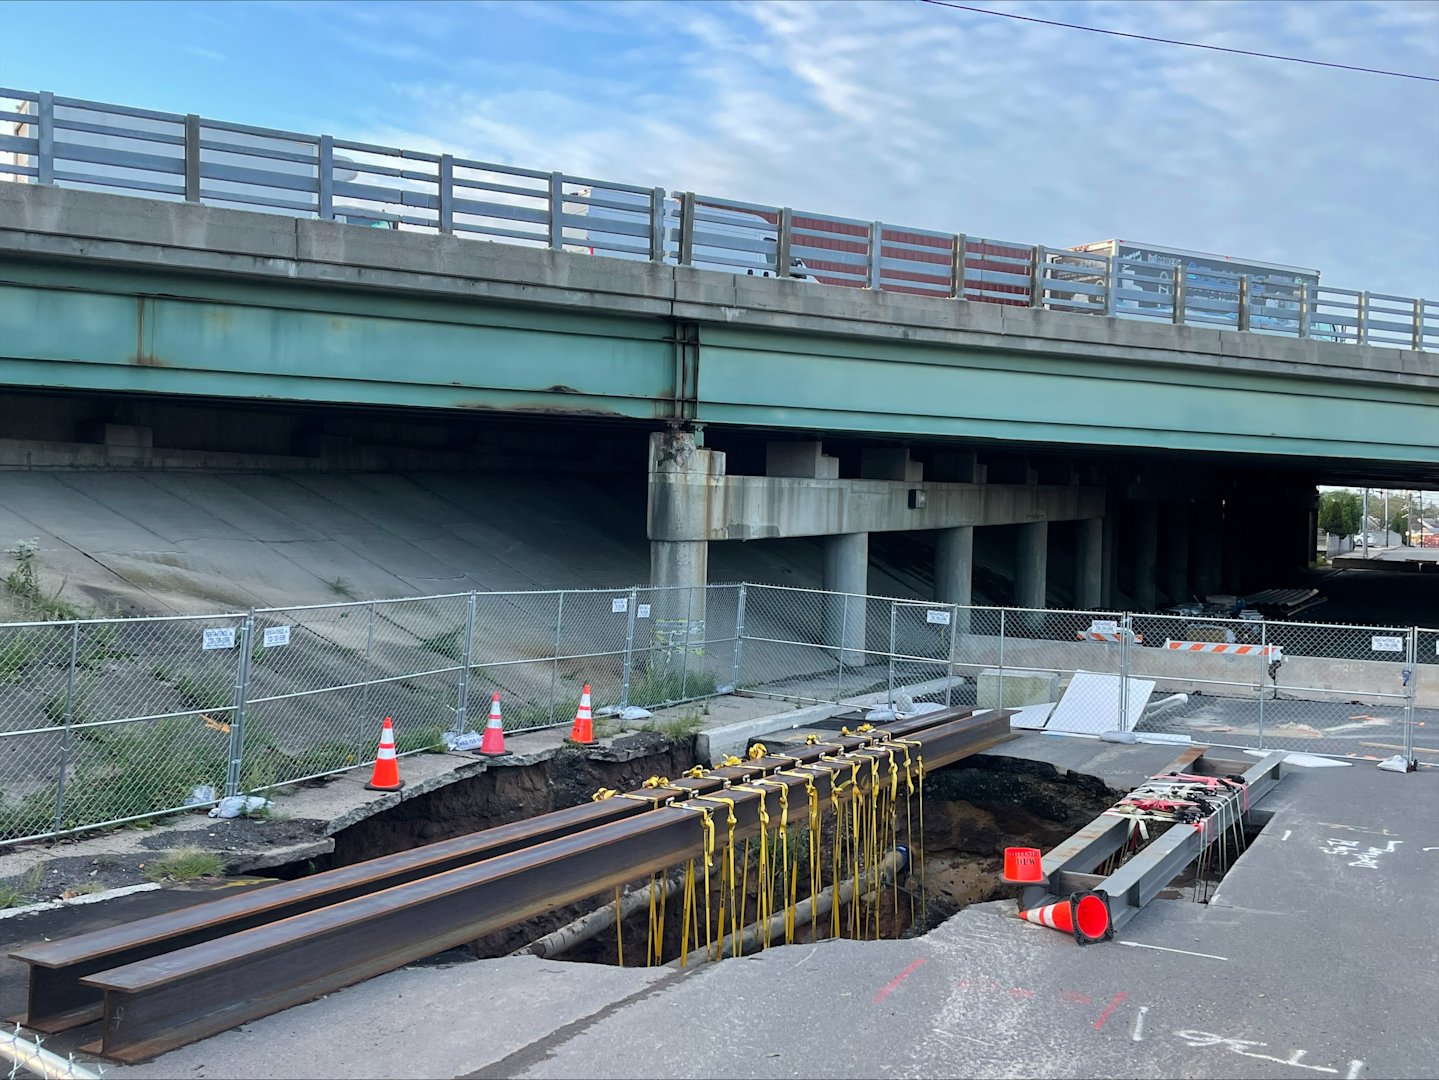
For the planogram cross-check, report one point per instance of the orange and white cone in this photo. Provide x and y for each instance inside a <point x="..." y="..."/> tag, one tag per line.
<point x="584" y="728"/>
<point x="493" y="744"/>
<point x="386" y="776"/>
<point x="1085" y="915"/>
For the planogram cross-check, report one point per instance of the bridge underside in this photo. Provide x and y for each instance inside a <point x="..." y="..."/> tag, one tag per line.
<point x="67" y="326"/>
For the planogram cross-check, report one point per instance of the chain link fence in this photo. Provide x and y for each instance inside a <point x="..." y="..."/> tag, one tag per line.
<point x="108" y="720"/>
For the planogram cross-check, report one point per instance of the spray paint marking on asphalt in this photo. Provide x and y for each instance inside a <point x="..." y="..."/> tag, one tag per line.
<point x="1109" y="1009"/>
<point x="893" y="983"/>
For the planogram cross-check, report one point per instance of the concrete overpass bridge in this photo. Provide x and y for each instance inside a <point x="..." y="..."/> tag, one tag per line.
<point x="1150" y="446"/>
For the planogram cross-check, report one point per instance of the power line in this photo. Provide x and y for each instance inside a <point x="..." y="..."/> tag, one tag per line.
<point x="1187" y="44"/>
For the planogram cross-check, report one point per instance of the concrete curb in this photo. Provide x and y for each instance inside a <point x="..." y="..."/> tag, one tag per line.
<point x="77" y="901"/>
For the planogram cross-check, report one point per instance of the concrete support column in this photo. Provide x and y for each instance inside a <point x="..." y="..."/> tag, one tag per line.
<point x="1176" y="551"/>
<point x="954" y="572"/>
<point x="1208" y="547"/>
<point x="1031" y="557"/>
<point x="1089" y="564"/>
<point x="680" y="471"/>
<point x="1146" y="547"/>
<point x="846" y="570"/>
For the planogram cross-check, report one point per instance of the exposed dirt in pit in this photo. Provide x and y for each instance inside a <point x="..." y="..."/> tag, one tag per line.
<point x="501" y="795"/>
<point x="975" y="809"/>
<point x="972" y="812"/>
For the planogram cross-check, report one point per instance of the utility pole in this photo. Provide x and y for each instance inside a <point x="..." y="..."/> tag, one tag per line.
<point x="1366" y="523"/>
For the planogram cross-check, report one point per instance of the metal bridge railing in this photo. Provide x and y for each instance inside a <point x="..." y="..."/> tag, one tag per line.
<point x="47" y="139"/>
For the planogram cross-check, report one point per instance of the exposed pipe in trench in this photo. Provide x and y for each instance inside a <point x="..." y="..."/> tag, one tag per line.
<point x="596" y="922"/>
<point x="815" y="907"/>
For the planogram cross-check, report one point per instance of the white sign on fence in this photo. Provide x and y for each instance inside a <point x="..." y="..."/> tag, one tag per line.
<point x="934" y="615"/>
<point x="276" y="635"/>
<point x="218" y="639"/>
<point x="620" y="603"/>
<point x="642" y="611"/>
<point x="1387" y="644"/>
<point x="1103" y="626"/>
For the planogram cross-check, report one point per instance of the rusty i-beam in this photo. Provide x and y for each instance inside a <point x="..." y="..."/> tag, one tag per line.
<point x="251" y="966"/>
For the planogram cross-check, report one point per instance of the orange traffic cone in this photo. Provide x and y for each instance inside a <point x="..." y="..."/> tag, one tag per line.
<point x="1022" y="866"/>
<point x="1085" y="915"/>
<point x="386" y="776"/>
<point x="584" y="730"/>
<point x="493" y="744"/>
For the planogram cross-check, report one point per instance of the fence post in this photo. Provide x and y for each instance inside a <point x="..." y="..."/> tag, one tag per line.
<point x="1109" y="285"/>
<point x="462" y="700"/>
<point x="364" y="718"/>
<point x="956" y="266"/>
<point x="738" y="634"/>
<point x="843" y="638"/>
<point x="1036" y="276"/>
<point x="687" y="228"/>
<point x="1418" y="342"/>
<point x="1304" y="309"/>
<point x="657" y="225"/>
<point x="629" y="649"/>
<point x="555" y="663"/>
<point x="557" y="211"/>
<point x="1411" y="679"/>
<point x="1126" y="640"/>
<point x="893" y="617"/>
<point x="1178" y="296"/>
<point x="875" y="253"/>
<point x="953" y="646"/>
<point x="45" y="132"/>
<point x="69" y="720"/>
<point x="1263" y="670"/>
<point x="1000" y="705"/>
<point x="784" y="242"/>
<point x="1361" y="312"/>
<point x="192" y="158"/>
<point x="1244" y="302"/>
<point x="237" y="717"/>
<point x="447" y="194"/>
<point x="325" y="168"/>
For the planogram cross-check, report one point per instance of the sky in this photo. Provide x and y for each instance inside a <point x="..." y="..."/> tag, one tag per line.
<point x="899" y="111"/>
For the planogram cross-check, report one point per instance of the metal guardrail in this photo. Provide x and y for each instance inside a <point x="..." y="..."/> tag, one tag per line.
<point x="47" y="139"/>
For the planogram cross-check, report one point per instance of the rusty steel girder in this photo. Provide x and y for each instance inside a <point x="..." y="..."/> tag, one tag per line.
<point x="166" y="1001"/>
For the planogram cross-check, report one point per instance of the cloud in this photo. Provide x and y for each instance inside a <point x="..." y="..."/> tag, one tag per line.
<point x="948" y="120"/>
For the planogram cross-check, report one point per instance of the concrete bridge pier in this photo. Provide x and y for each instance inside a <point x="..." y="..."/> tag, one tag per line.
<point x="1208" y="521"/>
<point x="680" y="472"/>
<point x="1089" y="564"/>
<point x="954" y="572"/>
<point x="1146" y="546"/>
<point x="846" y="571"/>
<point x="1031" y="567"/>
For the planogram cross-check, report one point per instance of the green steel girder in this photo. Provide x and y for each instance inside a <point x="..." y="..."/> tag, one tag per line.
<point x="74" y="327"/>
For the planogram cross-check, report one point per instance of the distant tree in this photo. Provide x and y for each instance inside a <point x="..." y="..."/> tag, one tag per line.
<point x="1340" y="513"/>
<point x="1399" y="523"/>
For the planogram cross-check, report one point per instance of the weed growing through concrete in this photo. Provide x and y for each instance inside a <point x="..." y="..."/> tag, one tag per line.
<point x="23" y="583"/>
<point x="665" y="686"/>
<point x="23" y="891"/>
<point x="448" y="643"/>
<point x="186" y="864"/>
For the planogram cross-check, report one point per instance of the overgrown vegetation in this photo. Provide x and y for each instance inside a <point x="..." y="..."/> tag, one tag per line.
<point x="669" y="684"/>
<point x="23" y="891"/>
<point x="18" y="651"/>
<point x="186" y="864"/>
<point x="23" y="584"/>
